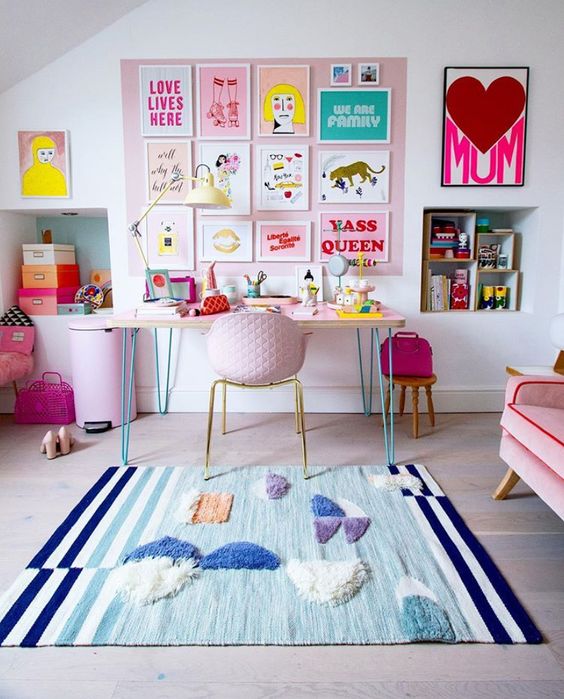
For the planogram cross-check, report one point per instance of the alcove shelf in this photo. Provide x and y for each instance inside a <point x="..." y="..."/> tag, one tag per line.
<point x="442" y="267"/>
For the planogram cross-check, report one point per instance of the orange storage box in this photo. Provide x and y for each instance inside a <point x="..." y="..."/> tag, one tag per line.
<point x="50" y="276"/>
<point x="43" y="302"/>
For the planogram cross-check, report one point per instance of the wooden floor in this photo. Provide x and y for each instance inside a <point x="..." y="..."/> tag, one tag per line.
<point x="524" y="537"/>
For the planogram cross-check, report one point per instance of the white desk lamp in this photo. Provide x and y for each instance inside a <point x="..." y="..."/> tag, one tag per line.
<point x="557" y="339"/>
<point x="204" y="195"/>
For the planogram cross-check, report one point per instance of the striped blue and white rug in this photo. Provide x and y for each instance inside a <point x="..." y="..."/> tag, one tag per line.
<point x="420" y="573"/>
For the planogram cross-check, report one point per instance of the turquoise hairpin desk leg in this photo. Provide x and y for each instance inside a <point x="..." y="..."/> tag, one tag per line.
<point x="127" y="382"/>
<point x="163" y="410"/>
<point x="366" y="400"/>
<point x="388" y="439"/>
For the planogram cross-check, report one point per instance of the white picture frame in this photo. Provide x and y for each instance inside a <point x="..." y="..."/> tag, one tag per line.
<point x="170" y="238"/>
<point x="282" y="177"/>
<point x="170" y="75"/>
<point x="236" y="184"/>
<point x="341" y="74"/>
<point x="161" y="161"/>
<point x="364" y="70"/>
<point x="317" y="272"/>
<point x="370" y="183"/>
<point x="234" y="244"/>
<point x="286" y="232"/>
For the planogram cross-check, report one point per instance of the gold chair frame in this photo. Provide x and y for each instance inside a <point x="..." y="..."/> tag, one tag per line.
<point x="299" y="413"/>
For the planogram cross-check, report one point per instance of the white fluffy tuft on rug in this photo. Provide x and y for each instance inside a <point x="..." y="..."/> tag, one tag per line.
<point x="188" y="505"/>
<point x="151" y="579"/>
<point x="327" y="582"/>
<point x="391" y="482"/>
<point x="258" y="489"/>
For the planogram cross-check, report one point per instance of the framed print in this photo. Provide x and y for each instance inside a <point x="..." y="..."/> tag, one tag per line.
<point x="283" y="100"/>
<point x="166" y="100"/>
<point x="341" y="74"/>
<point x="231" y="168"/>
<point x="283" y="241"/>
<point x="369" y="74"/>
<point x="226" y="241"/>
<point x="352" y="177"/>
<point x="312" y="274"/>
<point x="158" y="283"/>
<point x="170" y="238"/>
<point x="366" y="232"/>
<point x="44" y="164"/>
<point x="162" y="159"/>
<point x="223" y="101"/>
<point x="484" y="127"/>
<point x="282" y="174"/>
<point x="354" y="116"/>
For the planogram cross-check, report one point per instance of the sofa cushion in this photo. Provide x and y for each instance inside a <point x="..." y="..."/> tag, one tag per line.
<point x="538" y="429"/>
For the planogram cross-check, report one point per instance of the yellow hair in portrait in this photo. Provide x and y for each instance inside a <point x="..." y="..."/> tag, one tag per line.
<point x="284" y="89"/>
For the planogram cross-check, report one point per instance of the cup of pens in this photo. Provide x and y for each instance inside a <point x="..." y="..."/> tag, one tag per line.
<point x="253" y="285"/>
<point x="253" y="290"/>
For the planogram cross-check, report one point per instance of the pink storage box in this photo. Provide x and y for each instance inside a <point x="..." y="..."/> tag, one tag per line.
<point x="43" y="302"/>
<point x="16" y="338"/>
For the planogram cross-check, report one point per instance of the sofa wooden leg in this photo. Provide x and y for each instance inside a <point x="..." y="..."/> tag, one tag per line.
<point x="508" y="482"/>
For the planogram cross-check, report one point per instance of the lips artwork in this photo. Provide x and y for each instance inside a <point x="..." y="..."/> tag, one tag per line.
<point x="484" y="126"/>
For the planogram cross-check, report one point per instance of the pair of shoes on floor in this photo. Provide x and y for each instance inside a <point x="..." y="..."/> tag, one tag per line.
<point x="55" y="443"/>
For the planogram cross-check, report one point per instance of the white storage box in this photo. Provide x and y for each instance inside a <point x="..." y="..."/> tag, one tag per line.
<point x="48" y="254"/>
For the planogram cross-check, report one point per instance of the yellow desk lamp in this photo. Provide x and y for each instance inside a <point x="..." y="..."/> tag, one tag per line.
<point x="204" y="195"/>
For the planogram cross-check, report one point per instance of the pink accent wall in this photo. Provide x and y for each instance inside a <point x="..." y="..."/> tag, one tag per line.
<point x="393" y="72"/>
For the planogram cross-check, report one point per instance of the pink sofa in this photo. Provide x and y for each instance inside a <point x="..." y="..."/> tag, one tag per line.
<point x="532" y="443"/>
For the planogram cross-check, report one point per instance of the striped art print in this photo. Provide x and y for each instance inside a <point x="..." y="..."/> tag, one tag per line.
<point x="354" y="555"/>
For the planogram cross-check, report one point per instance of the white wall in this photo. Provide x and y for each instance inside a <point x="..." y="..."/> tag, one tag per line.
<point x="81" y="92"/>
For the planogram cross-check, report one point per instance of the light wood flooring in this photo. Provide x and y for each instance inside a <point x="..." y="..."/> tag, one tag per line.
<point x="524" y="537"/>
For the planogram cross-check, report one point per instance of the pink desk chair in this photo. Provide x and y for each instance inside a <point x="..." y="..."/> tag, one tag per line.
<point x="256" y="350"/>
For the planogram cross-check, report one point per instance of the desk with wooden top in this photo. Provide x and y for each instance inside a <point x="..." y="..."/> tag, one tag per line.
<point x="326" y="318"/>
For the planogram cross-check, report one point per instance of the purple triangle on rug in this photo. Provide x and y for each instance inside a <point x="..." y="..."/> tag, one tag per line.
<point x="355" y="527"/>
<point x="325" y="527"/>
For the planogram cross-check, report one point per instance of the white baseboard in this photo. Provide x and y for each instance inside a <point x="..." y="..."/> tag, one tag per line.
<point x="323" y="400"/>
<point x="317" y="400"/>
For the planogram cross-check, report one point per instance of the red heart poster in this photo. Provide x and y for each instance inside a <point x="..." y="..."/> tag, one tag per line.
<point x="484" y="126"/>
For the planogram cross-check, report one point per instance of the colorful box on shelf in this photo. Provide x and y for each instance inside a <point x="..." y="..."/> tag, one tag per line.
<point x="48" y="254"/>
<point x="43" y="302"/>
<point x="74" y="309"/>
<point x="50" y="276"/>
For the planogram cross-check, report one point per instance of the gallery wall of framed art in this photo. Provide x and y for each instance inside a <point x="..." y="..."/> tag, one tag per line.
<point x="294" y="144"/>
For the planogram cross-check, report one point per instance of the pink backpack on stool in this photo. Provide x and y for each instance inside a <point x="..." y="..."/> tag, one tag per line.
<point x="412" y="355"/>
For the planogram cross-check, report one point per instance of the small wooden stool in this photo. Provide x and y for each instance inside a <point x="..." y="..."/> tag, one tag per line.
<point x="415" y="383"/>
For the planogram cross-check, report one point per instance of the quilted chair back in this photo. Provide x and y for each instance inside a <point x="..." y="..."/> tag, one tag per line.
<point x="256" y="348"/>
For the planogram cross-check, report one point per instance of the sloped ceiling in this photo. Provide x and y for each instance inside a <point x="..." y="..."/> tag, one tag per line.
<point x="36" y="32"/>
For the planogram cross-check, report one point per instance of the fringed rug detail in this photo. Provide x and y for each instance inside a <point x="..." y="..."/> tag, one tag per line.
<point x="354" y="555"/>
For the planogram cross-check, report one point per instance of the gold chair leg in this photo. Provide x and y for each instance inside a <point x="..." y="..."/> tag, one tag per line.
<point x="224" y="407"/>
<point x="300" y="391"/>
<point x="297" y="407"/>
<point x="210" y="425"/>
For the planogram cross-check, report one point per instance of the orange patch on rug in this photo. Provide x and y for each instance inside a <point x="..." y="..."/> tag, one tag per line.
<point x="213" y="508"/>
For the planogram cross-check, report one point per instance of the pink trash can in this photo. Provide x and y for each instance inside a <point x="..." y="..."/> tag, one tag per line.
<point x="96" y="359"/>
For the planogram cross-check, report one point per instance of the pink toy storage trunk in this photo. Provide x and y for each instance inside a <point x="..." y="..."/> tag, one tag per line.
<point x="96" y="359"/>
<point x="43" y="302"/>
<point x="45" y="402"/>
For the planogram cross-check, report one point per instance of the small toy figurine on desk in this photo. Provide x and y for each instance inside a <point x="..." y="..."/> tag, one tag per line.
<point x="308" y="290"/>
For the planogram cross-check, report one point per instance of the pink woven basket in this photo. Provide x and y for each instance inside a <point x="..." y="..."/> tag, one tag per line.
<point x="43" y="401"/>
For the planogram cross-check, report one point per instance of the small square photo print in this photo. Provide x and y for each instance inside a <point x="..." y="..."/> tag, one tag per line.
<point x="368" y="73"/>
<point x="341" y="74"/>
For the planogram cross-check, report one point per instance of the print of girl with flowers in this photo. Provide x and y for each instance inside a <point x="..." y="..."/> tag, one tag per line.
<point x="226" y="166"/>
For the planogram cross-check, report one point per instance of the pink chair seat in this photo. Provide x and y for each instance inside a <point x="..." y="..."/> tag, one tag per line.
<point x="14" y="366"/>
<point x="256" y="348"/>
